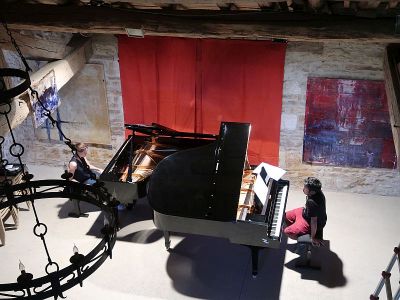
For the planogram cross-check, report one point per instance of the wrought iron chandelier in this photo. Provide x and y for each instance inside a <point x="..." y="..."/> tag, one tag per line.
<point x="57" y="280"/>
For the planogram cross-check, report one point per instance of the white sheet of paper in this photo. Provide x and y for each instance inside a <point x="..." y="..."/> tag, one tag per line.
<point x="261" y="189"/>
<point x="272" y="171"/>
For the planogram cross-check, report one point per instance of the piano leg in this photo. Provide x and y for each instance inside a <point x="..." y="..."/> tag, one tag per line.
<point x="167" y="239"/>
<point x="254" y="259"/>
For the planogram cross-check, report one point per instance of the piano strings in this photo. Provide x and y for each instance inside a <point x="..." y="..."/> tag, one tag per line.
<point x="145" y="159"/>
<point x="246" y="198"/>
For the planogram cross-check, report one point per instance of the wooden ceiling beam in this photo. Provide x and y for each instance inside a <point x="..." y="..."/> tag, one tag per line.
<point x="63" y="70"/>
<point x="199" y="3"/>
<point x="290" y="26"/>
<point x="392" y="83"/>
<point x="315" y="3"/>
<point x="35" y="47"/>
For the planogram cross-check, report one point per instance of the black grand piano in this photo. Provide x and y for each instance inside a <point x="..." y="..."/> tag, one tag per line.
<point x="209" y="190"/>
<point x="127" y="174"/>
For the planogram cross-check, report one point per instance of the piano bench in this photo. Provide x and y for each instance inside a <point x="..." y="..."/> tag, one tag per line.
<point x="305" y="257"/>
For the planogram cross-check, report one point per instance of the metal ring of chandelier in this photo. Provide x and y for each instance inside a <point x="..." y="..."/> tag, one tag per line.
<point x="6" y="95"/>
<point x="56" y="282"/>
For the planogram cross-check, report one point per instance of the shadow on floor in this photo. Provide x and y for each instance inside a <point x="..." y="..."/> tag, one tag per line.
<point x="331" y="273"/>
<point x="213" y="268"/>
<point x="141" y="212"/>
<point x="68" y="207"/>
<point x="142" y="236"/>
<point x="129" y="219"/>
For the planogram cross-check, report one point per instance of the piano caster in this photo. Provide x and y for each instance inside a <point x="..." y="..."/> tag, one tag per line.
<point x="167" y="240"/>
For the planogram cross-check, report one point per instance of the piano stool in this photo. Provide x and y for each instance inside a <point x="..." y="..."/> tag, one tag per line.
<point x="304" y="261"/>
<point x="76" y="212"/>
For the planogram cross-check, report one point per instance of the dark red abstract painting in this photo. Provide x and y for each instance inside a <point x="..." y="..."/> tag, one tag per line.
<point x="347" y="124"/>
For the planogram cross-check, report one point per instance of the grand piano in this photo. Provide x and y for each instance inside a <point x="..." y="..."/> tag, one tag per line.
<point x="127" y="174"/>
<point x="209" y="190"/>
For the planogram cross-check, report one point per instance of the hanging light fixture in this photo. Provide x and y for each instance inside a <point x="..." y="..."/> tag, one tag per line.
<point x="57" y="280"/>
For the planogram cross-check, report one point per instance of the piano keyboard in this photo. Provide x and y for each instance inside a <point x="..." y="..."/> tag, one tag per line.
<point x="248" y="212"/>
<point x="279" y="211"/>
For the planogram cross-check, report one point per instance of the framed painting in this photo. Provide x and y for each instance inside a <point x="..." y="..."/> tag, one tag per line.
<point x="347" y="124"/>
<point x="48" y="98"/>
<point x="83" y="114"/>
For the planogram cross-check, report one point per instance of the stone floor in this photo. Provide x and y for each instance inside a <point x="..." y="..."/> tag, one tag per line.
<point x="361" y="232"/>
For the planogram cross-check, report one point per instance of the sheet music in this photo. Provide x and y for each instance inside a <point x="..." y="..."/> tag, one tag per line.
<point x="261" y="189"/>
<point x="266" y="173"/>
<point x="272" y="171"/>
<point x="269" y="185"/>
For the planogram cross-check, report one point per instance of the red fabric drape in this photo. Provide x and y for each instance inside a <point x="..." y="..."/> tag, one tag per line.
<point x="193" y="85"/>
<point x="158" y="81"/>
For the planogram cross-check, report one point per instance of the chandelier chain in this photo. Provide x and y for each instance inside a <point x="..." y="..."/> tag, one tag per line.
<point x="57" y="280"/>
<point x="27" y="68"/>
<point x="18" y="154"/>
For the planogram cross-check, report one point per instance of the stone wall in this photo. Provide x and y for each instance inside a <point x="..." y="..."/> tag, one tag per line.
<point x="105" y="52"/>
<point x="335" y="60"/>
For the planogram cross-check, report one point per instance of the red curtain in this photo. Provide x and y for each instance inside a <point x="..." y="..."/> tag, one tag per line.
<point x="194" y="84"/>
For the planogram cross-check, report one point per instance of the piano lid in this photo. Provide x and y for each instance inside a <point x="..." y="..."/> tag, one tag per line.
<point x="203" y="182"/>
<point x="156" y="130"/>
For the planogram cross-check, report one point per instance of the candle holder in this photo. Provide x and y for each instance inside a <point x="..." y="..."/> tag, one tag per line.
<point x="25" y="279"/>
<point x="114" y="205"/>
<point x="77" y="261"/>
<point x="109" y="234"/>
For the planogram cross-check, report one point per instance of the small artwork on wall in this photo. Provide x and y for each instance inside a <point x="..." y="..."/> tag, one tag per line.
<point x="48" y="96"/>
<point x="83" y="114"/>
<point x="347" y="124"/>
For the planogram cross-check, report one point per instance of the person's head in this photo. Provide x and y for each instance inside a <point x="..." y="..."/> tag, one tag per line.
<point x="81" y="149"/>
<point x="312" y="186"/>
